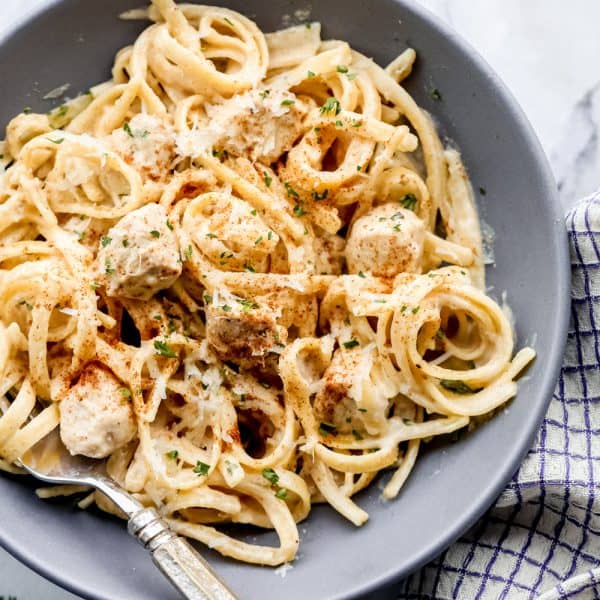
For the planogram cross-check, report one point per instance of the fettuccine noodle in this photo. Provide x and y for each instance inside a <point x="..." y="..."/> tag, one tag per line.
<point x="247" y="273"/>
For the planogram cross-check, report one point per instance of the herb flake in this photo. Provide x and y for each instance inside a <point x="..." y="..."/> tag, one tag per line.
<point x="458" y="387"/>
<point x="270" y="476"/>
<point x="163" y="349"/>
<point x="331" y="105"/>
<point x="201" y="468"/>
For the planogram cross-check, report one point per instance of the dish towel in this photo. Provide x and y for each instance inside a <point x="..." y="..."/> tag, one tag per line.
<point x="542" y="537"/>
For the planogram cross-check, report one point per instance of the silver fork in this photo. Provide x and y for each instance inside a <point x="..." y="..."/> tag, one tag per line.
<point x="172" y="554"/>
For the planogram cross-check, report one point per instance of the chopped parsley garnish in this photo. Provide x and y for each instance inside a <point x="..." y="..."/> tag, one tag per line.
<point x="415" y="310"/>
<point x="58" y="141"/>
<point x="188" y="252"/>
<point x="342" y="69"/>
<point x="248" y="305"/>
<point x="125" y="243"/>
<point x="258" y="240"/>
<point x="228" y="21"/>
<point x="396" y="227"/>
<point x="248" y="267"/>
<point x="26" y="304"/>
<point x="359" y="167"/>
<point x="299" y="210"/>
<point x="435" y="94"/>
<point x="163" y="349"/>
<point x="226" y="308"/>
<point x="270" y="235"/>
<point x="407" y="421"/>
<point x="155" y="234"/>
<point x="127" y="129"/>
<point x="291" y="192"/>
<point x="403" y="308"/>
<point x="310" y="74"/>
<point x="270" y="476"/>
<point x="63" y="109"/>
<point x="357" y="123"/>
<point x="201" y="468"/>
<point x="327" y="428"/>
<point x="320" y="195"/>
<point x="409" y="201"/>
<point x="268" y="179"/>
<point x="169" y="225"/>
<point x="332" y="105"/>
<point x="94" y="285"/>
<point x="207" y="298"/>
<point x="361" y="274"/>
<point x="351" y="344"/>
<point x="173" y="454"/>
<point x="357" y="434"/>
<point x="157" y="318"/>
<point x="339" y="124"/>
<point x="108" y="268"/>
<point x="264" y="94"/>
<point x="352" y="76"/>
<point x="482" y="191"/>
<point x="125" y="392"/>
<point x="397" y="216"/>
<point x="381" y="300"/>
<point x="105" y="241"/>
<point x="81" y="236"/>
<point x="458" y="387"/>
<point x="210" y="236"/>
<point x="440" y="335"/>
<point x="287" y="102"/>
<point x="281" y="493"/>
<point x="28" y="110"/>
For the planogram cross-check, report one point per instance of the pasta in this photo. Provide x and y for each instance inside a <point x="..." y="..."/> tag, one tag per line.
<point x="247" y="273"/>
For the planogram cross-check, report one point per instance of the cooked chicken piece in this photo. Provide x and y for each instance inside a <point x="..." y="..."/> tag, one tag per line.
<point x="329" y="250"/>
<point x="146" y="143"/>
<point x="96" y="416"/>
<point x="387" y="241"/>
<point x="334" y="403"/>
<point x="259" y="124"/>
<point x="244" y="333"/>
<point x="140" y="255"/>
<point x="24" y="128"/>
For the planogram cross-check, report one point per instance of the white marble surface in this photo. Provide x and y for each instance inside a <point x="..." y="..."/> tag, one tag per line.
<point x="547" y="53"/>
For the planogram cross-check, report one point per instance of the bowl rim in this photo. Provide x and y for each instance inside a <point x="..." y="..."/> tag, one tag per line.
<point x="500" y="478"/>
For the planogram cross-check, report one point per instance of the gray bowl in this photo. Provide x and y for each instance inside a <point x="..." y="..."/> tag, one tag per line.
<point x="74" y="41"/>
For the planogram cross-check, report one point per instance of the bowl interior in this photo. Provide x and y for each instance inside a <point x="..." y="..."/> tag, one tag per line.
<point x="74" y="41"/>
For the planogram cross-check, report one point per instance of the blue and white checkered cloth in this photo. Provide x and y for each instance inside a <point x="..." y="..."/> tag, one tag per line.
<point x="542" y="537"/>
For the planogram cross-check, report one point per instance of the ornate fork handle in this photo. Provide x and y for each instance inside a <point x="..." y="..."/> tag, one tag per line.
<point x="172" y="554"/>
<point x="176" y="558"/>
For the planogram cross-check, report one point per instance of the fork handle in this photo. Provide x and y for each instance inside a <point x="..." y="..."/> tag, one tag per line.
<point x="176" y="558"/>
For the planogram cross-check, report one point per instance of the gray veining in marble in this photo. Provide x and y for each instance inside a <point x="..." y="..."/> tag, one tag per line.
<point x="546" y="52"/>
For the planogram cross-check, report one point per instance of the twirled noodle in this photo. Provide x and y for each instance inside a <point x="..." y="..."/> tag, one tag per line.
<point x="247" y="273"/>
